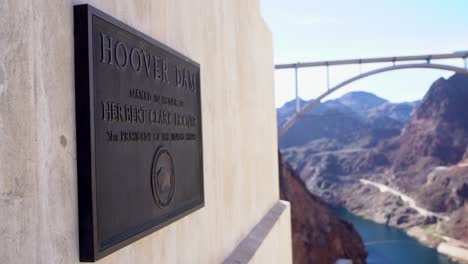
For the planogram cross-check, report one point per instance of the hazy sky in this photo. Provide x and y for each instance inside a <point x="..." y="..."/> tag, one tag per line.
<point x="312" y="30"/>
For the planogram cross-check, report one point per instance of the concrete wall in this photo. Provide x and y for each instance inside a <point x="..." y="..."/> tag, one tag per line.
<point x="38" y="193"/>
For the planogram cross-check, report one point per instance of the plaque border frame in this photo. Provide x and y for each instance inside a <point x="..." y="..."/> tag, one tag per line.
<point x="89" y="249"/>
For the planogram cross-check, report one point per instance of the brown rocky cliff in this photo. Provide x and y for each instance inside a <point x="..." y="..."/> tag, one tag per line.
<point x="318" y="235"/>
<point x="437" y="134"/>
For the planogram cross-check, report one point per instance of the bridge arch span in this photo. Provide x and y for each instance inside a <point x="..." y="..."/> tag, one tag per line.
<point x="317" y="101"/>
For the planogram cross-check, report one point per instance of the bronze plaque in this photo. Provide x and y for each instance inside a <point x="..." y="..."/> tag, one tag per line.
<point x="139" y="135"/>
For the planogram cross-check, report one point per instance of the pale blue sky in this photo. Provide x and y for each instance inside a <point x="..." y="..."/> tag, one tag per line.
<point x="312" y="30"/>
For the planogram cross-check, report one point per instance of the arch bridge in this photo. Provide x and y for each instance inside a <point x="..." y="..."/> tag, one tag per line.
<point x="425" y="64"/>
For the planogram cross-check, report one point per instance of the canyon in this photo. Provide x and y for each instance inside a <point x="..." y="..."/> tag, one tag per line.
<point x="400" y="164"/>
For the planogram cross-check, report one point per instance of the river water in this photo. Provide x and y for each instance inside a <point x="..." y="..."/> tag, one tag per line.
<point x="389" y="245"/>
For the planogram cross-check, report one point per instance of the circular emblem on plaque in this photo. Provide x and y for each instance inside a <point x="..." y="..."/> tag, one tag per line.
<point x="162" y="177"/>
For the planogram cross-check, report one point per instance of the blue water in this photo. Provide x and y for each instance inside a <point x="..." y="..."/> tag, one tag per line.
<point x="389" y="245"/>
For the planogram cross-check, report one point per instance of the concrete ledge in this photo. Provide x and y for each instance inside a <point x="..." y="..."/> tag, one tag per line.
<point x="245" y="251"/>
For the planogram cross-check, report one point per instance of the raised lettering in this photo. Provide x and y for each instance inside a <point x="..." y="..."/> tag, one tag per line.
<point x="179" y="76"/>
<point x="192" y="82"/>
<point x="147" y="58"/>
<point x="106" y="49"/>
<point x="133" y="61"/>
<point x="121" y="54"/>
<point x="157" y="68"/>
<point x="106" y="111"/>
<point x="165" y="69"/>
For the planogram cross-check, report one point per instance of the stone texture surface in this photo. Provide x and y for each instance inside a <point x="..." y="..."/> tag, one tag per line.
<point x="38" y="194"/>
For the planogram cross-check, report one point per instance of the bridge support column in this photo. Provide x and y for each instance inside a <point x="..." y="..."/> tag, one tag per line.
<point x="298" y="102"/>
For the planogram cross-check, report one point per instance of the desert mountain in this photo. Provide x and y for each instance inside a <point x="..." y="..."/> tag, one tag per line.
<point x="357" y="119"/>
